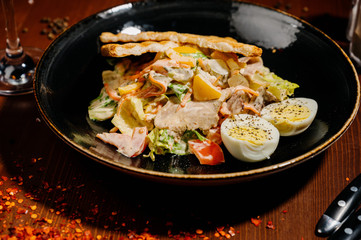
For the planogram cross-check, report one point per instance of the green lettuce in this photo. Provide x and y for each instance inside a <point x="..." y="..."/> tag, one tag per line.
<point x="102" y="107"/>
<point x="279" y="87"/>
<point x="195" y="55"/>
<point x="281" y="83"/>
<point x="180" y="90"/>
<point x="162" y="142"/>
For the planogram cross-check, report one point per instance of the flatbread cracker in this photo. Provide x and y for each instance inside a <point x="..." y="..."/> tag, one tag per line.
<point x="122" y="50"/>
<point x="213" y="42"/>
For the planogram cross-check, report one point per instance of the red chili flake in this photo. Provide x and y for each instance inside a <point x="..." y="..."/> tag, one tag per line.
<point x="347" y="179"/>
<point x="4" y="178"/>
<point x="29" y="195"/>
<point x="256" y="221"/>
<point x="40" y="221"/>
<point x="232" y="231"/>
<point x="12" y="191"/>
<point x="22" y="211"/>
<point x="45" y="185"/>
<point x="95" y="210"/>
<point x="199" y="231"/>
<point x="223" y="233"/>
<point x="270" y="225"/>
<point x="285" y="211"/>
<point x="60" y="199"/>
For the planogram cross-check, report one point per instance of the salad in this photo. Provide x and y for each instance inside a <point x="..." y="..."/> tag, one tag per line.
<point x="170" y="92"/>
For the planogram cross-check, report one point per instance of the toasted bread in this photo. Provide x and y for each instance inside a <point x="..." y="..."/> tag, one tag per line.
<point x="226" y="44"/>
<point x="122" y="50"/>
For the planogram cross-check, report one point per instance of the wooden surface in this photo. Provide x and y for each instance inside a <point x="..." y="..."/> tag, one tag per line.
<point x="49" y="189"/>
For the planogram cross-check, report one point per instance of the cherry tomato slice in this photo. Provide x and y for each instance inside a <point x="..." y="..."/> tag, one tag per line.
<point x="207" y="152"/>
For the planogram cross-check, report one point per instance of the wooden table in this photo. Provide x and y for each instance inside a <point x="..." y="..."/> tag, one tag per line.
<point x="49" y="189"/>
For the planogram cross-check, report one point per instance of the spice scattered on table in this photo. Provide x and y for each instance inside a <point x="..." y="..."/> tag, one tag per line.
<point x="280" y="5"/>
<point x="54" y="26"/>
<point x="62" y="221"/>
<point x="256" y="221"/>
<point x="305" y="9"/>
<point x="270" y="225"/>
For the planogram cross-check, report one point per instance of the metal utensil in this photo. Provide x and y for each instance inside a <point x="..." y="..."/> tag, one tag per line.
<point x="350" y="229"/>
<point x="340" y="209"/>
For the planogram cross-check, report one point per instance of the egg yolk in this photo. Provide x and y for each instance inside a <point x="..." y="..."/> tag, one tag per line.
<point x="291" y="113"/>
<point x="253" y="135"/>
<point x="186" y="49"/>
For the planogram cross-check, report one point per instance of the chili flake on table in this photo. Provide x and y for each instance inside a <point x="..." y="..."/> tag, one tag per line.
<point x="270" y="225"/>
<point x="256" y="221"/>
<point x="30" y="221"/>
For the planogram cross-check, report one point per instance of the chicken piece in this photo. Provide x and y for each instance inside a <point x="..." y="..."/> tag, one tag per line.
<point x="129" y="146"/>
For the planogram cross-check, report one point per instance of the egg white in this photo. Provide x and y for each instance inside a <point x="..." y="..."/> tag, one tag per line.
<point x="285" y="122"/>
<point x="245" y="150"/>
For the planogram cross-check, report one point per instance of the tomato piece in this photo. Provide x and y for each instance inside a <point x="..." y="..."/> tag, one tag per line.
<point x="207" y="152"/>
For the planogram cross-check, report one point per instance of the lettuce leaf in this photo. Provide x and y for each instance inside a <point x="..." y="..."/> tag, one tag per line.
<point x="278" y="82"/>
<point x="195" y="55"/>
<point x="180" y="90"/>
<point x="102" y="107"/>
<point x="276" y="85"/>
<point x="162" y="142"/>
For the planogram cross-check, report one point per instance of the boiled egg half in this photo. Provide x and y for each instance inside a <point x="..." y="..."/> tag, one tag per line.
<point x="249" y="138"/>
<point x="291" y="116"/>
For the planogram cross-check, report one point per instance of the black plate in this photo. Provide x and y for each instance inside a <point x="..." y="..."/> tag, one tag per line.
<point x="69" y="76"/>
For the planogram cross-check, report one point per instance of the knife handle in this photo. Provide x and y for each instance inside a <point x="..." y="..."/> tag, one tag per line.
<point x="350" y="229"/>
<point x="343" y="205"/>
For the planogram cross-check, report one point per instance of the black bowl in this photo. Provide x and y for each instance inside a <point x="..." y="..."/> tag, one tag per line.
<point x="68" y="77"/>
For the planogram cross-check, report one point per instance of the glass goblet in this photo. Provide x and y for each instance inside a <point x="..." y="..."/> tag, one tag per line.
<point x="17" y="63"/>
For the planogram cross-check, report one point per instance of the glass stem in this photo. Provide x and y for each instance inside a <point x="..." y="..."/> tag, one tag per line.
<point x="14" y="50"/>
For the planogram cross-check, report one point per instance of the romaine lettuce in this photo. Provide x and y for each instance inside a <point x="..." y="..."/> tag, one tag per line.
<point x="180" y="90"/>
<point x="162" y="142"/>
<point x="279" y="87"/>
<point x="102" y="107"/>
